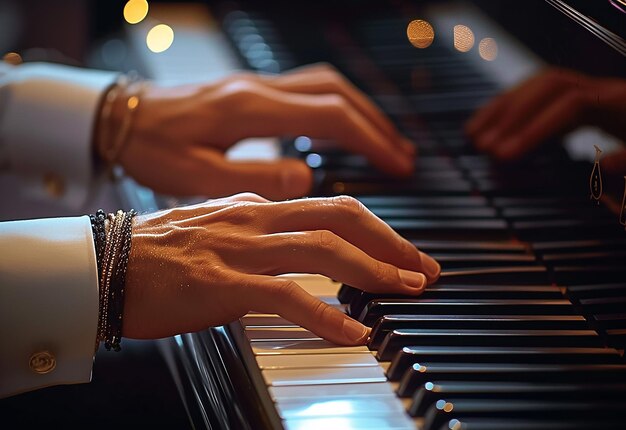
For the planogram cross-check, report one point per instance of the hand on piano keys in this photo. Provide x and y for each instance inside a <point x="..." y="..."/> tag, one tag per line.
<point x="180" y="133"/>
<point x="548" y="104"/>
<point x="209" y="264"/>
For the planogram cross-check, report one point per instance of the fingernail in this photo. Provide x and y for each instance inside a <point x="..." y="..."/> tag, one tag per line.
<point x="413" y="279"/>
<point x="430" y="266"/>
<point x="355" y="331"/>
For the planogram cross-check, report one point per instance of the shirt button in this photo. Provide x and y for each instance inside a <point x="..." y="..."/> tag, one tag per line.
<point x="55" y="186"/>
<point x="42" y="362"/>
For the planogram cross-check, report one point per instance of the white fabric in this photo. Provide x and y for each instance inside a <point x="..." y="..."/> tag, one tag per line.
<point x="47" y="117"/>
<point x="48" y="301"/>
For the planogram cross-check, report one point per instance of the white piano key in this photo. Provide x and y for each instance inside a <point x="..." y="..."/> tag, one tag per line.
<point x="286" y="347"/>
<point x="339" y="407"/>
<point x="327" y="391"/>
<point x="315" y="361"/>
<point x="389" y="422"/>
<point x="265" y="334"/>
<point x="320" y="376"/>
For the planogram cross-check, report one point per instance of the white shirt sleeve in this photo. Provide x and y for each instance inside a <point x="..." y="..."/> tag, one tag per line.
<point x="48" y="303"/>
<point x="47" y="118"/>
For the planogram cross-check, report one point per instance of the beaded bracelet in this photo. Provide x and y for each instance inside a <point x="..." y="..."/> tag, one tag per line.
<point x="112" y="251"/>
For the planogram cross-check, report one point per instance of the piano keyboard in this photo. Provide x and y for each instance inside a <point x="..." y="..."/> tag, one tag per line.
<point x="526" y="327"/>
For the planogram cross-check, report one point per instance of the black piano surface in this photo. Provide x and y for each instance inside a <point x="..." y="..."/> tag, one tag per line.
<point x="526" y="327"/>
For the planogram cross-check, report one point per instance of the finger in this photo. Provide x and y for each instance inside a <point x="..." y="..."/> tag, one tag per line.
<point x="325" y="253"/>
<point x="324" y="79"/>
<point x="351" y="220"/>
<point x="285" y="298"/>
<point x="524" y="104"/>
<point x="557" y="117"/>
<point x="272" y="112"/>
<point x="203" y="171"/>
<point x="244" y="197"/>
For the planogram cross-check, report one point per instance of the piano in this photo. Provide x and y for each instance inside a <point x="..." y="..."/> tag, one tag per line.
<point x="526" y="328"/>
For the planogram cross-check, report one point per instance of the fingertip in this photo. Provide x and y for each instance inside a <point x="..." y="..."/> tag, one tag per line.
<point x="414" y="280"/>
<point x="354" y="332"/>
<point x="430" y="266"/>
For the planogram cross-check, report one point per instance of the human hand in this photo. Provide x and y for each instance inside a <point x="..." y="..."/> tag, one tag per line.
<point x="179" y="134"/>
<point x="548" y="104"/>
<point x="205" y="265"/>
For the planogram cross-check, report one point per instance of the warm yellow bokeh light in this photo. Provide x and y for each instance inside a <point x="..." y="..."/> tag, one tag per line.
<point x="135" y="11"/>
<point x="420" y="33"/>
<point x="160" y="38"/>
<point x="12" y="58"/>
<point x="488" y="49"/>
<point x="463" y="38"/>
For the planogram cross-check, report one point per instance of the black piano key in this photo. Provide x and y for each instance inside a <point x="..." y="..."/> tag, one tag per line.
<point x="378" y="308"/>
<point x="420" y="373"/>
<point x="597" y="290"/>
<point x="579" y="246"/>
<point x="435" y="213"/>
<point x="397" y="339"/>
<point x="546" y="411"/>
<point x="585" y="258"/>
<point x="409" y="355"/>
<point x="564" y="228"/>
<point x="478" y="229"/>
<point x="389" y="323"/>
<point x="458" y="202"/>
<point x="360" y="300"/>
<point x="346" y="293"/>
<point x="603" y="305"/>
<point x="467" y="246"/>
<point x="611" y="321"/>
<point x="457" y="187"/>
<point x="616" y="337"/>
<point x="431" y="392"/>
<point x="577" y="275"/>
<point x="521" y="275"/>
<point x="473" y="260"/>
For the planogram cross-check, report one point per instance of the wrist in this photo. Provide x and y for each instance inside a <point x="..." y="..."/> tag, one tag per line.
<point x="115" y="119"/>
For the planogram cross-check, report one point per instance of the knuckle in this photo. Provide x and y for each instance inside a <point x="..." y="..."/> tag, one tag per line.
<point x="250" y="197"/>
<point x="320" y="311"/>
<point x="383" y="273"/>
<point x="349" y="205"/>
<point x="238" y="90"/>
<point x="326" y="240"/>
<point x="286" y="290"/>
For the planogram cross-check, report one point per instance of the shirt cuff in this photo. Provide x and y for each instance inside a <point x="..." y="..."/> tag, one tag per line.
<point x="47" y="125"/>
<point x="48" y="303"/>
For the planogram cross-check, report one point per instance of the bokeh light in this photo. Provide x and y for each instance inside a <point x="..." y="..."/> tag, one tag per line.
<point x="420" y="33"/>
<point x="160" y="38"/>
<point x="463" y="38"/>
<point x="135" y="11"/>
<point x="488" y="49"/>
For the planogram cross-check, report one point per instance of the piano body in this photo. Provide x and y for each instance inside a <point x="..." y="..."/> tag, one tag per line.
<point x="526" y="327"/>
